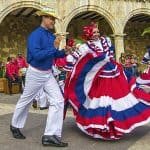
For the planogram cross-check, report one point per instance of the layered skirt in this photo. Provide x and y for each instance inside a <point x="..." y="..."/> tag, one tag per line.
<point x="101" y="96"/>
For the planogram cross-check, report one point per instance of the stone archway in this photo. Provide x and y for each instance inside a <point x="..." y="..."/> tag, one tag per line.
<point x="133" y="13"/>
<point x="107" y="15"/>
<point x="135" y="43"/>
<point x="15" y="45"/>
<point x="34" y="4"/>
<point x="115" y="26"/>
<point x="82" y="19"/>
<point x="13" y="6"/>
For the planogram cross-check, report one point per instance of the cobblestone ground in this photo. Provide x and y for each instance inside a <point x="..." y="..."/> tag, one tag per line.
<point x="138" y="140"/>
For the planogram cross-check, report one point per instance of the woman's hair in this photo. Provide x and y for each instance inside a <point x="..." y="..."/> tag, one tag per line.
<point x="9" y="59"/>
<point x="87" y="32"/>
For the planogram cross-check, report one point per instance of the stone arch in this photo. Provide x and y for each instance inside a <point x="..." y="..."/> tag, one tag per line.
<point x="107" y="15"/>
<point x="132" y="13"/>
<point x="19" y="4"/>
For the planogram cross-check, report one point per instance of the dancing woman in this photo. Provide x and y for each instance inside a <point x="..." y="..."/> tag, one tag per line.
<point x="141" y="89"/>
<point x="99" y="91"/>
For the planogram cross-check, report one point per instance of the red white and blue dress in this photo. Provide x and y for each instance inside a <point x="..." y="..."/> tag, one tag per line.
<point x="100" y="94"/>
<point x="141" y="89"/>
<point x="71" y="59"/>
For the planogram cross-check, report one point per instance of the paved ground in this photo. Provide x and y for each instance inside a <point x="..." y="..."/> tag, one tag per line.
<point x="138" y="140"/>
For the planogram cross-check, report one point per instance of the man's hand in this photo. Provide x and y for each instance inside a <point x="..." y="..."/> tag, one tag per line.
<point x="57" y="41"/>
<point x="68" y="50"/>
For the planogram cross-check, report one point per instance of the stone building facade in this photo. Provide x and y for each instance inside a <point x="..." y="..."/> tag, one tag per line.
<point x="125" y="34"/>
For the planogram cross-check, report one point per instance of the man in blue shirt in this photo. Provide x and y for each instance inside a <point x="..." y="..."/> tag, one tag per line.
<point x="40" y="56"/>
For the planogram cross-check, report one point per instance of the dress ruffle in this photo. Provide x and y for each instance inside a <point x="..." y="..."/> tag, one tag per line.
<point x="104" y="107"/>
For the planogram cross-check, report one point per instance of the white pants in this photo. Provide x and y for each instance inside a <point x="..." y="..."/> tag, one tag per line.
<point x="41" y="98"/>
<point x="35" y="80"/>
<point x="61" y="85"/>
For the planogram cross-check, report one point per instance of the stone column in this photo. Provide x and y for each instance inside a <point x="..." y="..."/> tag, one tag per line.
<point x="63" y="42"/>
<point x="59" y="30"/>
<point x="119" y="44"/>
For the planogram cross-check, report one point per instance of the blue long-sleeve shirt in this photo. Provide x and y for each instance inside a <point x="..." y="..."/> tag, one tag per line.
<point x="41" y="51"/>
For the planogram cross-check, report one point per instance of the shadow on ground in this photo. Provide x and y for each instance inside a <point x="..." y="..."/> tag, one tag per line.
<point x="77" y="140"/>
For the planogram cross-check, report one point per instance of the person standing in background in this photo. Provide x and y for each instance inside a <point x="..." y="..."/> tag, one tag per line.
<point x="22" y="65"/>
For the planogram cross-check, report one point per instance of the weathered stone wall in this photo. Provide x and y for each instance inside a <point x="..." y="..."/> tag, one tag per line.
<point x="13" y="34"/>
<point x="116" y="12"/>
<point x="134" y="42"/>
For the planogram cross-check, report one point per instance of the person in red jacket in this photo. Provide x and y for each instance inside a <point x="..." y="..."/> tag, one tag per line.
<point x="12" y="74"/>
<point x="22" y="65"/>
<point x="21" y="61"/>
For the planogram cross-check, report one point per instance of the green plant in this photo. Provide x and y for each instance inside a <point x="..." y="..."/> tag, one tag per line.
<point x="146" y="31"/>
<point x="2" y="72"/>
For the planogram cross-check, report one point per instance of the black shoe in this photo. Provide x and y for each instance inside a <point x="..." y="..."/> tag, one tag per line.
<point x="34" y="104"/>
<point x="42" y="108"/>
<point x="16" y="133"/>
<point x="53" y="141"/>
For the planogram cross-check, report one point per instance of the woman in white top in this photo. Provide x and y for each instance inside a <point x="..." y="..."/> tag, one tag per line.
<point x="99" y="91"/>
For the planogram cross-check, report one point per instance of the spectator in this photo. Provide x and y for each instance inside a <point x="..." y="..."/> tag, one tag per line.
<point x="134" y="65"/>
<point x="12" y="74"/>
<point x="122" y="59"/>
<point x="128" y="66"/>
<point x="22" y="65"/>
